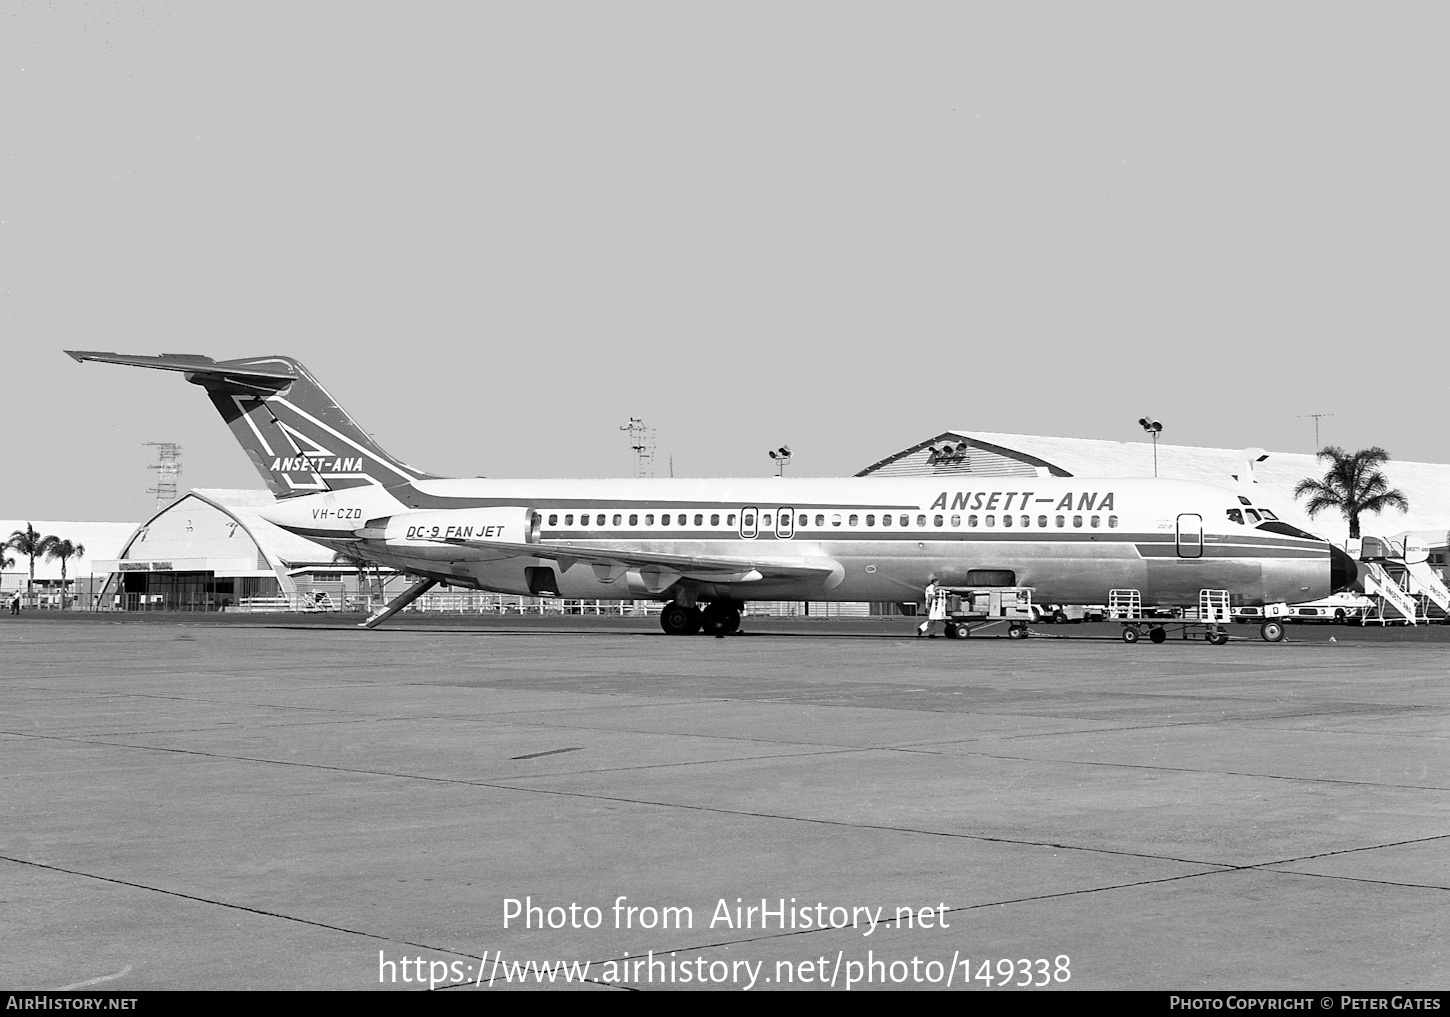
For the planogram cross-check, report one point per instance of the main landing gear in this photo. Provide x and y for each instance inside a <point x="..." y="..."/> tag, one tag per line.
<point x="717" y="619"/>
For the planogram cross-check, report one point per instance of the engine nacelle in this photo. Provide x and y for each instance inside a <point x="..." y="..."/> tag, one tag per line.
<point x="508" y="524"/>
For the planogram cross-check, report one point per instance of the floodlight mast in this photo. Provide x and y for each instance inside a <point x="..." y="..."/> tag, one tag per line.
<point x="1153" y="426"/>
<point x="642" y="442"/>
<point x="781" y="456"/>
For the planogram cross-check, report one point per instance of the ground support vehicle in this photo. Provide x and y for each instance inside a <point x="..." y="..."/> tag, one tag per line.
<point x="974" y="608"/>
<point x="1209" y="621"/>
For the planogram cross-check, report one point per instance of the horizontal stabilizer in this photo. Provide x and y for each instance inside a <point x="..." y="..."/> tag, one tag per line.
<point x="248" y="370"/>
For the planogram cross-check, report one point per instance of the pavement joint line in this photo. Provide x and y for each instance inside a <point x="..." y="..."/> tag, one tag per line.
<point x="229" y="904"/>
<point x="1355" y="850"/>
<point x="685" y="806"/>
<point x="1356" y="879"/>
<point x="1182" y="769"/>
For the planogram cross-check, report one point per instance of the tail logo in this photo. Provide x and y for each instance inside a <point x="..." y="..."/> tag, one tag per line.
<point x="307" y="465"/>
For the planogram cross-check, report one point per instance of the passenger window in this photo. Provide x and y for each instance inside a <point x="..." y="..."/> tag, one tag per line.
<point x="956" y="520"/>
<point x="554" y="519"/>
<point x="991" y="520"/>
<point x="599" y="520"/>
<point x="730" y="519"/>
<point x="569" y="519"/>
<point x="699" y="519"/>
<point x="1026" y="520"/>
<point x="971" y="521"/>
<point x="1112" y="522"/>
<point x="618" y="519"/>
<point x="804" y="520"/>
<point x="1042" y="521"/>
<point x="1235" y="516"/>
<point x="714" y="518"/>
<point x="921" y="520"/>
<point x="820" y="520"/>
<point x="765" y="521"/>
<point x="854" y="520"/>
<point x="1095" y="520"/>
<point x="937" y="520"/>
<point x="1077" y="521"/>
<point x="870" y="519"/>
<point x="633" y="519"/>
<point x="905" y="520"/>
<point x="886" y="519"/>
<point x="750" y="520"/>
<point x="649" y="518"/>
<point x="1006" y="519"/>
<point x="836" y="519"/>
<point x="1061" y="522"/>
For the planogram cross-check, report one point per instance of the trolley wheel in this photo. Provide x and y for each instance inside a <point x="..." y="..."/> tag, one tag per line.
<point x="950" y="630"/>
<point x="1017" y="632"/>
<point x="1158" y="635"/>
<point x="1130" y="634"/>
<point x="1218" y="638"/>
<point x="1272" y="631"/>
<point x="963" y="630"/>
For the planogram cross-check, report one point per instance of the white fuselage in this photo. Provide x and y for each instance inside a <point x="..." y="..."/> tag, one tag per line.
<point x="1071" y="539"/>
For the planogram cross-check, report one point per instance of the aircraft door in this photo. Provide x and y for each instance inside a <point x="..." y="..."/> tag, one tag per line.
<point x="747" y="521"/>
<point x="785" y="523"/>
<point x="1190" y="535"/>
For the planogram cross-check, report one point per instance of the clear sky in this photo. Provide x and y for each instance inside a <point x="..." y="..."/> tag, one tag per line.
<point x="497" y="231"/>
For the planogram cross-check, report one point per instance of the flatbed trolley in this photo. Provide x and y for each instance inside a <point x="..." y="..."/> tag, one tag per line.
<point x="1210" y="622"/>
<point x="974" y="608"/>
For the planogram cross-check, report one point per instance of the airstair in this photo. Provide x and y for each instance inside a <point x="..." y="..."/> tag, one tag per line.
<point x="1423" y="583"/>
<point x="1391" y="603"/>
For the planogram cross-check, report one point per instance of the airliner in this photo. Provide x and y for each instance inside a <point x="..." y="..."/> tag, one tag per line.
<point x="707" y="547"/>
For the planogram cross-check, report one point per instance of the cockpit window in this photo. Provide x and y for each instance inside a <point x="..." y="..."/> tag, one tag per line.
<point x="1235" y="516"/>
<point x="1267" y="514"/>
<point x="1254" y="515"/>
<point x="1244" y="501"/>
<point x="1276" y="526"/>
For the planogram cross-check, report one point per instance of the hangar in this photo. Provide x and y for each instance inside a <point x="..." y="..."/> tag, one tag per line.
<point x="210" y="550"/>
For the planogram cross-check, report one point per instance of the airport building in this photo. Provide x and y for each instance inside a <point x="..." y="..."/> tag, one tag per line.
<point x="210" y="550"/>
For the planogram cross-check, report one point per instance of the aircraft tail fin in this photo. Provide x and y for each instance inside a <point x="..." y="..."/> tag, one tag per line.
<point x="295" y="433"/>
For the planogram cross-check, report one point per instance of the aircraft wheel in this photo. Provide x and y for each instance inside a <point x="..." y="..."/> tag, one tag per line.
<point x="1272" y="631"/>
<point x="1158" y="635"/>
<point x="715" y="620"/>
<point x="732" y="620"/>
<point x="1130" y="634"/>
<point x="679" y="620"/>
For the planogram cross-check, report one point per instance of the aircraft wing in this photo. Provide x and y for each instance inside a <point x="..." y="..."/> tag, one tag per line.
<point x="610" y="563"/>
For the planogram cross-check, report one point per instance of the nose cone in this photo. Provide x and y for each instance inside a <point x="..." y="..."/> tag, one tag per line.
<point x="1343" y="570"/>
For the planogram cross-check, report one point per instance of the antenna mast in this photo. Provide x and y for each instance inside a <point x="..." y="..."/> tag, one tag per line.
<point x="1316" y="417"/>
<point x="168" y="468"/>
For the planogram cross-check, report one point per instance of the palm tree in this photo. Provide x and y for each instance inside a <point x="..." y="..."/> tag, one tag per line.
<point x="1353" y="484"/>
<point x="54" y="548"/>
<point x="28" y="543"/>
